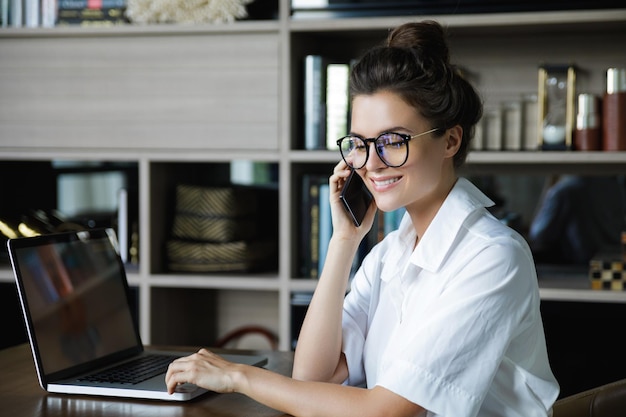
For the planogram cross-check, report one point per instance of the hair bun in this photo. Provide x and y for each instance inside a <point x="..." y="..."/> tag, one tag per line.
<point x="427" y="38"/>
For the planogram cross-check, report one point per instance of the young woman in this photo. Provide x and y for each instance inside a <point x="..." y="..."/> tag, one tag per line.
<point x="442" y="318"/>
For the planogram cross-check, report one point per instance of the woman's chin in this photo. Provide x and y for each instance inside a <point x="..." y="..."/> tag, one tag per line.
<point x="387" y="207"/>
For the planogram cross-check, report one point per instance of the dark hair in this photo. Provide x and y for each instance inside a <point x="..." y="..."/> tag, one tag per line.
<point x="414" y="63"/>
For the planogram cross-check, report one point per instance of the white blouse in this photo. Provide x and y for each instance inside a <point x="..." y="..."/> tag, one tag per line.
<point x="453" y="325"/>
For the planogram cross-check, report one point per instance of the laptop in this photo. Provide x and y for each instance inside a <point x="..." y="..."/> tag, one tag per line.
<point x="76" y="304"/>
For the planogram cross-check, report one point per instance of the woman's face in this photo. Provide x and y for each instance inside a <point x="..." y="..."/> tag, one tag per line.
<point x="428" y="173"/>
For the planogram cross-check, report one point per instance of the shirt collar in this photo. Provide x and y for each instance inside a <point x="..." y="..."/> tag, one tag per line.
<point x="463" y="200"/>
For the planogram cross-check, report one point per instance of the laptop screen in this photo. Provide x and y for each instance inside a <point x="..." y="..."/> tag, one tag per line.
<point x="76" y="297"/>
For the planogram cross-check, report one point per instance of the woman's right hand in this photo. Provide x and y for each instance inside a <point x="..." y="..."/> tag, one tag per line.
<point x="343" y="227"/>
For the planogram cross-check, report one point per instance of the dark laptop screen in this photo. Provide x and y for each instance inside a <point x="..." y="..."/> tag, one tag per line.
<point x="76" y="294"/>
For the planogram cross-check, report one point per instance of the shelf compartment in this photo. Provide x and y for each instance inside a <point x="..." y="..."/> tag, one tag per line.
<point x="262" y="187"/>
<point x="305" y="209"/>
<point x="502" y="79"/>
<point x="59" y="194"/>
<point x="206" y="313"/>
<point x="183" y="316"/>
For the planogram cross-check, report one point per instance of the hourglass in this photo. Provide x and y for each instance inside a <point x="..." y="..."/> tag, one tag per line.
<point x="556" y="106"/>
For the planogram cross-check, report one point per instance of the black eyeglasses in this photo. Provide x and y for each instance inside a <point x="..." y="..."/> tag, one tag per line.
<point x="392" y="148"/>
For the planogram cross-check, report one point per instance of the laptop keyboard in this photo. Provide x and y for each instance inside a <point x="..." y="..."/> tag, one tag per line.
<point x="133" y="372"/>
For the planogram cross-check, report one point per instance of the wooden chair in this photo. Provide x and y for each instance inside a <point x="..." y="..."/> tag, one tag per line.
<point x="231" y="338"/>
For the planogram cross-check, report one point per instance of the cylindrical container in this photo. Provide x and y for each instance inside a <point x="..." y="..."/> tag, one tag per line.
<point x="614" y="111"/>
<point x="587" y="132"/>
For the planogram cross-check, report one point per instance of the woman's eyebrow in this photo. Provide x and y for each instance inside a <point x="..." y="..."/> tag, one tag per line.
<point x="390" y="129"/>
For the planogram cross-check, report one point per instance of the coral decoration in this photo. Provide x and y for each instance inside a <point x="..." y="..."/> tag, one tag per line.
<point x="186" y="11"/>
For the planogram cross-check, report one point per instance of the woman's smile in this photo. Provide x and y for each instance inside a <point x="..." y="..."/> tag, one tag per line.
<point x="380" y="184"/>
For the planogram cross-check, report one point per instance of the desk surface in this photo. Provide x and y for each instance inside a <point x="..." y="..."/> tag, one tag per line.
<point x="21" y="395"/>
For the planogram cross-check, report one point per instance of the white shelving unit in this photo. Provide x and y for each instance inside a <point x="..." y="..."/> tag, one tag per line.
<point x="166" y="96"/>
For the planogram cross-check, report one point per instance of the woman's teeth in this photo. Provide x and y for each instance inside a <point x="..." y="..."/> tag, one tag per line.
<point x="385" y="182"/>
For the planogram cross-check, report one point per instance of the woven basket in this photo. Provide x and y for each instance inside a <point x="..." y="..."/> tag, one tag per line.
<point x="232" y="256"/>
<point x="213" y="229"/>
<point x="216" y="201"/>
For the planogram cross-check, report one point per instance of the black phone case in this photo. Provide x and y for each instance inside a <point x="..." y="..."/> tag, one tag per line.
<point x="356" y="197"/>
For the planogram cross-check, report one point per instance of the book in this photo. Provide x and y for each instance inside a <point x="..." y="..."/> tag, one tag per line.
<point x="314" y="102"/>
<point x="91" y="4"/>
<point x="4" y="13"/>
<point x="326" y="101"/>
<point x="32" y="12"/>
<point x="128" y="224"/>
<point x="325" y="224"/>
<point x="305" y="222"/>
<point x="337" y="75"/>
<point x="16" y="13"/>
<point x="313" y="232"/>
<point x="315" y="224"/>
<point x="91" y="17"/>
<point x="48" y="13"/>
<point x="91" y="12"/>
<point x="122" y="223"/>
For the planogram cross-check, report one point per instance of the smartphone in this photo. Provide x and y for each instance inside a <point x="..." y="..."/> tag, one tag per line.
<point x="356" y="197"/>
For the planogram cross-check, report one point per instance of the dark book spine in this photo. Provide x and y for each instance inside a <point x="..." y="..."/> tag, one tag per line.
<point x="91" y="16"/>
<point x="314" y="102"/>
<point x="325" y="224"/>
<point x="313" y="233"/>
<point x="305" y="226"/>
<point x="309" y="225"/>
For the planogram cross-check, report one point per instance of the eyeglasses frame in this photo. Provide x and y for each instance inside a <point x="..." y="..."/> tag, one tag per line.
<point x="405" y="139"/>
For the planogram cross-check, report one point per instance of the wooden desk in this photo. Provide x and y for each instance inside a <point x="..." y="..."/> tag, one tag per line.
<point x="21" y="395"/>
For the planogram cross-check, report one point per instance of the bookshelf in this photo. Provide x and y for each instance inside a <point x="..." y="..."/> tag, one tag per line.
<point x="174" y="99"/>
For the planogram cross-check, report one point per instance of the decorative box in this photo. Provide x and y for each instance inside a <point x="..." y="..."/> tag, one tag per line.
<point x="607" y="273"/>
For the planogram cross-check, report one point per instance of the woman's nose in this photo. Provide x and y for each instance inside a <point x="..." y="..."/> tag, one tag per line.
<point x="373" y="161"/>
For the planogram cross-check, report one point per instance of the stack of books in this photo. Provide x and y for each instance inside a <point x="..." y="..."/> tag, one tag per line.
<point x="49" y="13"/>
<point x="316" y="226"/>
<point x="326" y="102"/>
<point x="91" y="12"/>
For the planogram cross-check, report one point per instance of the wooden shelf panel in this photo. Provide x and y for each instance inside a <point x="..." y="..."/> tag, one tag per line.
<point x="119" y="92"/>
<point x="561" y="294"/>
<point x="261" y="282"/>
<point x="499" y="157"/>
<point x="141" y="30"/>
<point x="475" y="23"/>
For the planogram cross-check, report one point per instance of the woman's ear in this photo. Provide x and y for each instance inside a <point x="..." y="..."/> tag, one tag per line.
<point x="454" y="136"/>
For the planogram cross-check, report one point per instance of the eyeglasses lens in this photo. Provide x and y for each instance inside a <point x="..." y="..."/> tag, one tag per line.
<point x="354" y="151"/>
<point x="390" y="147"/>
